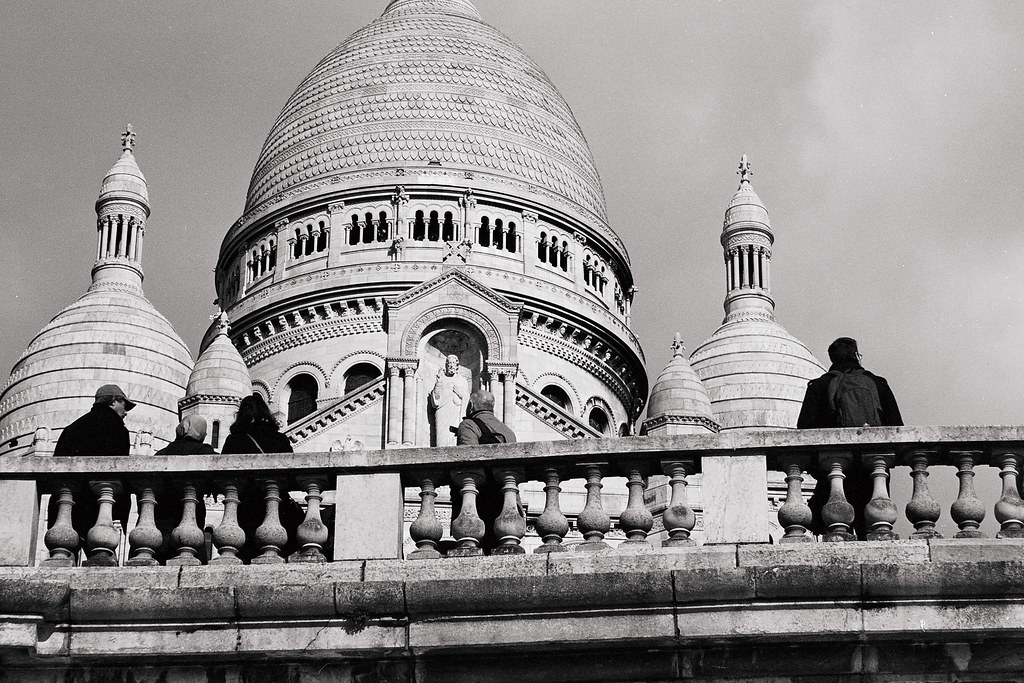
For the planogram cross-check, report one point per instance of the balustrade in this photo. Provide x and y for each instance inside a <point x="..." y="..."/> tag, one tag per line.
<point x="489" y="515"/>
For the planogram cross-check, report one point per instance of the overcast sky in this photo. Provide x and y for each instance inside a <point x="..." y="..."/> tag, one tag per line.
<point x="885" y="140"/>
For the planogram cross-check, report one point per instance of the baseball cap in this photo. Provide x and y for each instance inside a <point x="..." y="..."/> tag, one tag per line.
<point x="114" y="391"/>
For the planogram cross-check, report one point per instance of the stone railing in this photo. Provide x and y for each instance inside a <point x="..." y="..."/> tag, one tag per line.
<point x="369" y="485"/>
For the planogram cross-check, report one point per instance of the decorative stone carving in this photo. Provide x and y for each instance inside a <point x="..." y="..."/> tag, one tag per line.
<point x="448" y="400"/>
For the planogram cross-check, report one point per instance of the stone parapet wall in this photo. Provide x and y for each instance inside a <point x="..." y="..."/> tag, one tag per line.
<point x="767" y="613"/>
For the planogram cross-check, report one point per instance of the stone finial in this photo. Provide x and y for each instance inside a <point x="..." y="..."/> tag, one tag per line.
<point x="222" y="322"/>
<point x="128" y="139"/>
<point x="678" y="348"/>
<point x="744" y="173"/>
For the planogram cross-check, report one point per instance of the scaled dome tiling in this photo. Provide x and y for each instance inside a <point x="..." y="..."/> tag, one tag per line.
<point x="428" y="83"/>
<point x="755" y="373"/>
<point x="110" y="335"/>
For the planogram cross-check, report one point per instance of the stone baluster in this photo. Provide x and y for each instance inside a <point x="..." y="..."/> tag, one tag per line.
<point x="795" y="514"/>
<point x="552" y="525"/>
<point x="467" y="528"/>
<point x="593" y="521"/>
<point x="923" y="510"/>
<point x="270" y="536"/>
<point x="636" y="520"/>
<point x="426" y="530"/>
<point x="311" y="535"/>
<point x="880" y="512"/>
<point x="678" y="518"/>
<point x="103" y="538"/>
<point x="967" y="511"/>
<point x="187" y="539"/>
<point x="837" y="514"/>
<point x="229" y="537"/>
<point x="61" y="539"/>
<point x="1009" y="508"/>
<point x="145" y="539"/>
<point x="510" y="525"/>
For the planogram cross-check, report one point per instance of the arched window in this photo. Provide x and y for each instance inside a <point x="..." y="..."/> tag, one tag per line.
<point x="497" y="238"/>
<point x="302" y="400"/>
<point x="484" y="237"/>
<point x="553" y="251"/>
<point x="215" y="434"/>
<point x="598" y="420"/>
<point x="297" y="247"/>
<point x="353" y="231"/>
<point x="510" y="237"/>
<point x="563" y="257"/>
<point x="419" y="227"/>
<point x="359" y="375"/>
<point x="448" y="229"/>
<point x="368" y="228"/>
<point x="433" y="228"/>
<point x="321" y="241"/>
<point x="556" y="395"/>
<point x="382" y="226"/>
<point x="542" y="248"/>
<point x="273" y="255"/>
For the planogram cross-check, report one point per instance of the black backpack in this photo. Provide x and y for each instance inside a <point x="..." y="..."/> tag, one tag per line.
<point x="854" y="399"/>
<point x="486" y="435"/>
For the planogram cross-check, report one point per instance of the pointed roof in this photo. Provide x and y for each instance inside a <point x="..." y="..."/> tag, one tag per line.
<point x="220" y="371"/>
<point x="124" y="180"/>
<point x="678" y="391"/>
<point x="746" y="211"/>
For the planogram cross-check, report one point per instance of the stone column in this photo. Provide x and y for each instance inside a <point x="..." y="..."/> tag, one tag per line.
<point x="281" y="227"/>
<point x="734" y="255"/>
<point x="409" y="406"/>
<point x="395" y="400"/>
<point x="508" y="383"/>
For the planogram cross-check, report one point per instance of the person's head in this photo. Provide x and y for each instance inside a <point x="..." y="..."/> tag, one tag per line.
<point x="843" y="349"/>
<point x="191" y="427"/>
<point x="451" y="364"/>
<point x="111" y="395"/>
<point x="481" y="399"/>
<point x="252" y="410"/>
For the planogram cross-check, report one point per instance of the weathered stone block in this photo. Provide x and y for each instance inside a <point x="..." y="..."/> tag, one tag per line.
<point x="116" y="603"/>
<point x="809" y="582"/>
<point x="19" y="510"/>
<point x="457" y="568"/>
<point x="816" y="554"/>
<point x="944" y="579"/>
<point x="270" y="601"/>
<point x="711" y="584"/>
<point x="723" y="556"/>
<point x="976" y="550"/>
<point x="370" y="597"/>
<point x="368" y="522"/>
<point x="730" y="483"/>
<point x="338" y="635"/>
<point x="47" y="599"/>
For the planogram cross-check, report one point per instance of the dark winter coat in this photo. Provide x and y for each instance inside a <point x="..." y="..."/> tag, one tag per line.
<point x="101" y="431"/>
<point x="168" y="500"/>
<point x="489" y="499"/>
<point x="269" y="438"/>
<point x="817" y="412"/>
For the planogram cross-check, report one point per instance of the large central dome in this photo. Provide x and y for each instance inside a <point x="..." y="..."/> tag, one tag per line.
<point x="428" y="84"/>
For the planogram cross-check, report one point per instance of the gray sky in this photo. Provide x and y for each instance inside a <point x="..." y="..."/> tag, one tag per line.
<point x="885" y="140"/>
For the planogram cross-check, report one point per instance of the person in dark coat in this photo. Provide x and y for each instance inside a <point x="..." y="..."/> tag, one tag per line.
<point x="480" y="422"/>
<point x="255" y="430"/>
<point x="101" y="431"/>
<point x="189" y="439"/>
<point x="818" y="412"/>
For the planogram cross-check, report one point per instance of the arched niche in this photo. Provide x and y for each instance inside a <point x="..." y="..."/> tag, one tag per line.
<point x="440" y="339"/>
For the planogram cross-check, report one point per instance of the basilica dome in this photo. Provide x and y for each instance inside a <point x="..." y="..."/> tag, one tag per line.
<point x="428" y="83"/>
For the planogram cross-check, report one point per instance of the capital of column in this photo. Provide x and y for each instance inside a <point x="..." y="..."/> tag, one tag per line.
<point x="281" y="224"/>
<point x="336" y="207"/>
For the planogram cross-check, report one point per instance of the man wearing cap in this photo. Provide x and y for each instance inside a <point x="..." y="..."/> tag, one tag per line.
<point x="101" y="431"/>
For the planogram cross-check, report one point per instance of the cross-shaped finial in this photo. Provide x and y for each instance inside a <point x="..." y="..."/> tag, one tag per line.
<point x="128" y="139"/>
<point x="744" y="171"/>
<point x="677" y="345"/>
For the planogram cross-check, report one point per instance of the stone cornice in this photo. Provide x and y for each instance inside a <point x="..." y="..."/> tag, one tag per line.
<point x="568" y="425"/>
<point x="339" y="411"/>
<point x="662" y="420"/>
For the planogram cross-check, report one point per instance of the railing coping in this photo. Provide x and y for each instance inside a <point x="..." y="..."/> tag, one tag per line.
<point x="774" y="443"/>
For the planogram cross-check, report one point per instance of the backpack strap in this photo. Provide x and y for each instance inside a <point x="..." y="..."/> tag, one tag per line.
<point x="484" y="429"/>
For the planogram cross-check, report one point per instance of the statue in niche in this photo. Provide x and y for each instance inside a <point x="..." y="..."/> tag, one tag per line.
<point x="448" y="400"/>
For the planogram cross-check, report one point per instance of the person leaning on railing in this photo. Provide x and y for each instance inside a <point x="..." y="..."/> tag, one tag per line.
<point x="255" y="430"/>
<point x="101" y="431"/>
<point x="847" y="396"/>
<point x="189" y="439"/>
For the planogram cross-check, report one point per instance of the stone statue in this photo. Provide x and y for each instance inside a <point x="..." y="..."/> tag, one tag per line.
<point x="448" y="399"/>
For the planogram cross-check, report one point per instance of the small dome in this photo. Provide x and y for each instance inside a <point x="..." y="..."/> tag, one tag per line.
<point x="755" y="374"/>
<point x="678" y="391"/>
<point x="220" y="371"/>
<point x="110" y="335"/>
<point x="746" y="211"/>
<point x="124" y="180"/>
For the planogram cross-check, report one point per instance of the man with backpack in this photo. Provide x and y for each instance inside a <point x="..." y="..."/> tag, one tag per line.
<point x="481" y="426"/>
<point x="847" y="396"/>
